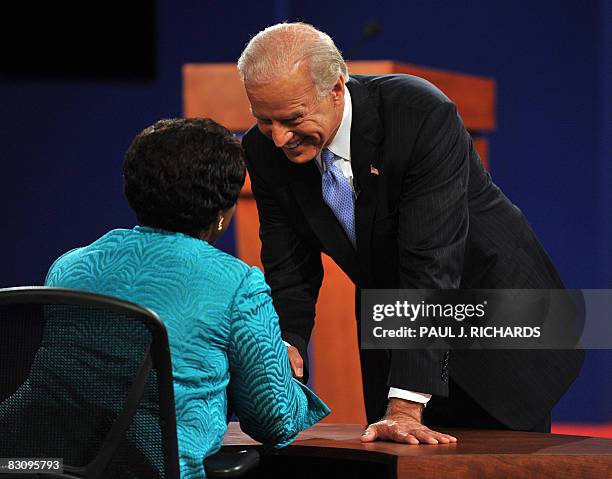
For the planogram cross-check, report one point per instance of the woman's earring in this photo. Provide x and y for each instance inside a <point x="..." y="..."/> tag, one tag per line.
<point x="220" y="224"/>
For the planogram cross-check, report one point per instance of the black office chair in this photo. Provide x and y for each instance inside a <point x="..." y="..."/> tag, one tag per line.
<point x="88" y="378"/>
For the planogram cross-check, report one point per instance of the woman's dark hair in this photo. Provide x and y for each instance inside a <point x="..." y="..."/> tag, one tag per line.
<point x="179" y="173"/>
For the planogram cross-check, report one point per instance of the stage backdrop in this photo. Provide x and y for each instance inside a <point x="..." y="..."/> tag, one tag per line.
<point x="63" y="138"/>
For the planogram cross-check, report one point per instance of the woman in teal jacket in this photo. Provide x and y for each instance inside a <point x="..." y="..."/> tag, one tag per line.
<point x="182" y="179"/>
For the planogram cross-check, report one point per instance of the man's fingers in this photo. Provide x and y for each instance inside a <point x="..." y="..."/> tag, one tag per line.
<point x="446" y="438"/>
<point x="296" y="361"/>
<point x="382" y="431"/>
<point x="396" y="432"/>
<point x="426" y="436"/>
<point x="397" y="435"/>
<point x="442" y="438"/>
<point x="370" y="434"/>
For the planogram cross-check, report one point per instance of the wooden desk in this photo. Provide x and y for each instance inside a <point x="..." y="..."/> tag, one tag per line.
<point x="334" y="450"/>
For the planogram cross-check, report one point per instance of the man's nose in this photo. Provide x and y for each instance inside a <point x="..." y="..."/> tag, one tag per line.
<point x="280" y="135"/>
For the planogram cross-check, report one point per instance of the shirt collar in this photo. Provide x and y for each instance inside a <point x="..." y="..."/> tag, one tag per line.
<point x="341" y="144"/>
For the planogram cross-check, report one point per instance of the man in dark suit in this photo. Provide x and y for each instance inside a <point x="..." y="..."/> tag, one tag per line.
<point x="379" y="173"/>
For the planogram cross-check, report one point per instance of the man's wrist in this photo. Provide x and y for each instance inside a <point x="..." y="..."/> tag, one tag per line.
<point x="404" y="407"/>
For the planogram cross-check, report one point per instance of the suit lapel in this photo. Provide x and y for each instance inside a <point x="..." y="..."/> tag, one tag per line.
<point x="306" y="186"/>
<point x="366" y="159"/>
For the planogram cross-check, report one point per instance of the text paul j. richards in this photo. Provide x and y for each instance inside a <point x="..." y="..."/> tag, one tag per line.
<point x="458" y="332"/>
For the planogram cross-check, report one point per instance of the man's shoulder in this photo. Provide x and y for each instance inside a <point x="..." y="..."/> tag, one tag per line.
<point x="400" y="90"/>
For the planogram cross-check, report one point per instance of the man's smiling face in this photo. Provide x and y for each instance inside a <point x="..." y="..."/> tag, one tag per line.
<point x="290" y="114"/>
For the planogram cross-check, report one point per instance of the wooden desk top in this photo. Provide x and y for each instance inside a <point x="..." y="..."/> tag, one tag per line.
<point x="478" y="453"/>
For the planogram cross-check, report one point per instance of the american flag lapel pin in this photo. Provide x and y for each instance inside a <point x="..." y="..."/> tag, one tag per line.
<point x="373" y="170"/>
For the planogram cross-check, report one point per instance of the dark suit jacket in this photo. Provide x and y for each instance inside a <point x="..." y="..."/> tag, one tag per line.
<point x="432" y="218"/>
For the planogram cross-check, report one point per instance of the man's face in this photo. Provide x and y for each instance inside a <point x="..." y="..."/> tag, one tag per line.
<point x="288" y="112"/>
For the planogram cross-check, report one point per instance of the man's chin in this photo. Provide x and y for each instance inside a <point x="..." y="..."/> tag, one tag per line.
<point x="299" y="156"/>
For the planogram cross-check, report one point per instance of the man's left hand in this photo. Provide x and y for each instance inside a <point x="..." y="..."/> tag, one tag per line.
<point x="402" y="423"/>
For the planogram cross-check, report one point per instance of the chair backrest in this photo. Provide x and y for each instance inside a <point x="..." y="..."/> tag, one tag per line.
<point x="86" y="378"/>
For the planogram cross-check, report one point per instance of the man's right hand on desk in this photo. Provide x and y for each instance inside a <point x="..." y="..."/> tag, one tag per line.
<point x="402" y="423"/>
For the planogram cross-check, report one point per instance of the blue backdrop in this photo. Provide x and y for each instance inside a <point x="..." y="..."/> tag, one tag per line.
<point x="63" y="141"/>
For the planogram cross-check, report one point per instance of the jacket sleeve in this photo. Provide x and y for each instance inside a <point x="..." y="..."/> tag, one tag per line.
<point x="432" y="234"/>
<point x="272" y="406"/>
<point x="292" y="266"/>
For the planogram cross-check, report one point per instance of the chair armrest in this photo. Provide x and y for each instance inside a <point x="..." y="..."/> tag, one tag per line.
<point x="231" y="463"/>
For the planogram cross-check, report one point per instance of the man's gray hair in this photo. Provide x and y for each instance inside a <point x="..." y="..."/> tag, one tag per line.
<point x="277" y="50"/>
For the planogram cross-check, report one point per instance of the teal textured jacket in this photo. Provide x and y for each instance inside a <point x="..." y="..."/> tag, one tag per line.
<point x="223" y="332"/>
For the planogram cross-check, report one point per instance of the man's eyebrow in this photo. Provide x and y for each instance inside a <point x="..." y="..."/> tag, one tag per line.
<point x="290" y="118"/>
<point x="293" y="117"/>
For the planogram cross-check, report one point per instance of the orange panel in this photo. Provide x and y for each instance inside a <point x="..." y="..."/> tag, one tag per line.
<point x="482" y="147"/>
<point x="473" y="95"/>
<point x="214" y="90"/>
<point x="247" y="227"/>
<point x="335" y="351"/>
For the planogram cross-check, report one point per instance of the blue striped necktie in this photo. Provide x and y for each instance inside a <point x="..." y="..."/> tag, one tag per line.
<point x="338" y="194"/>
